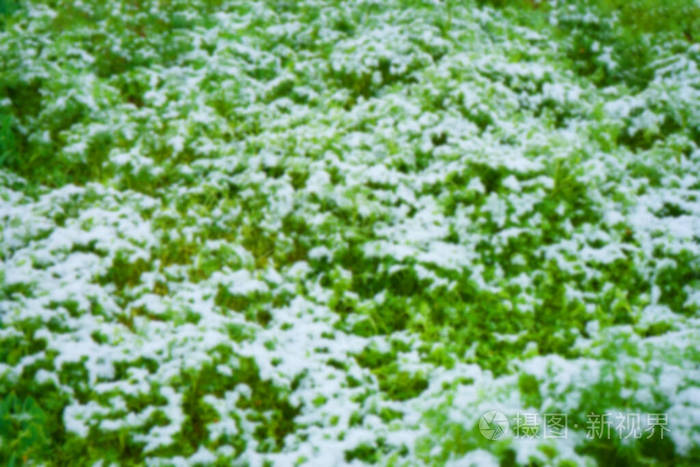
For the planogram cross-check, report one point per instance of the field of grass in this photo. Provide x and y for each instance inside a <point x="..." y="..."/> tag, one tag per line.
<point x="325" y="233"/>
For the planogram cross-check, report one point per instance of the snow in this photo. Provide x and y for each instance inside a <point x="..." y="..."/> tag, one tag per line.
<point x="394" y="171"/>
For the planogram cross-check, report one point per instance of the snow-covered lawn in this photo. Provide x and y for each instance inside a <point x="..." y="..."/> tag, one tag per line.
<point x="319" y="233"/>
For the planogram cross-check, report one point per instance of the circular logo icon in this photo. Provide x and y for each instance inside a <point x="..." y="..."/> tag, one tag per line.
<point x="493" y="425"/>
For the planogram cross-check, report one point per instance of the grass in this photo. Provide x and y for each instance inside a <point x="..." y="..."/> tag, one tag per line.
<point x="626" y="30"/>
<point x="266" y="232"/>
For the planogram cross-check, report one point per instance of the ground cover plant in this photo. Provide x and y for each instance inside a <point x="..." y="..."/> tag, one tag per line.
<point x="322" y="233"/>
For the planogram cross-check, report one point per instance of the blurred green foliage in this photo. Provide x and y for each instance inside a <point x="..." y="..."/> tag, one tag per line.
<point x="22" y="423"/>
<point x="459" y="321"/>
<point x="8" y="145"/>
<point x="7" y="7"/>
<point x="616" y="43"/>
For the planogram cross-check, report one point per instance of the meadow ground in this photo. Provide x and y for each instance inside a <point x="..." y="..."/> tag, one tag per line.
<point x="314" y="232"/>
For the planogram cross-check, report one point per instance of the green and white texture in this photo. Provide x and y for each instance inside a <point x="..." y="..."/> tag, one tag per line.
<point x="324" y="233"/>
